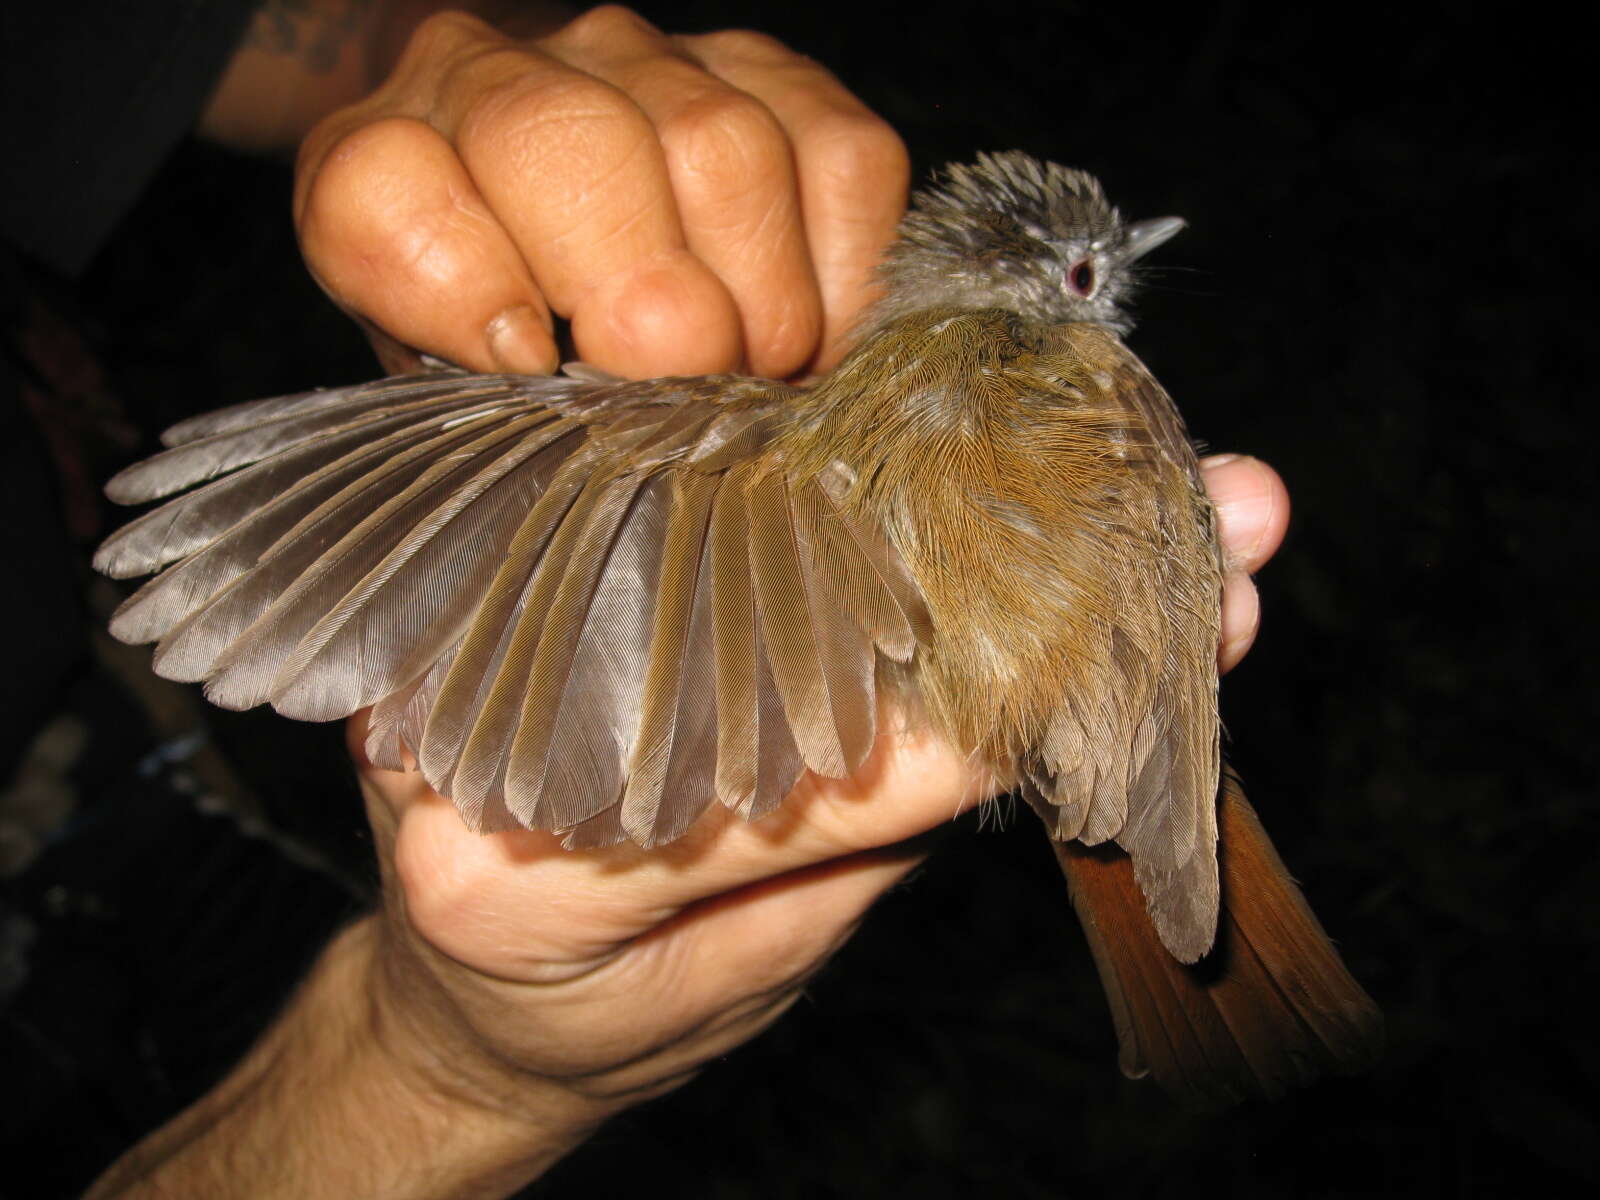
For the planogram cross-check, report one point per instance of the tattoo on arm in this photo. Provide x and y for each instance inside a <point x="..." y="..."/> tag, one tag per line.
<point x="311" y="30"/>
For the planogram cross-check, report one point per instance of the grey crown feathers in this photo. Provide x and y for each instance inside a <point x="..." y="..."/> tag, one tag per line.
<point x="1006" y="232"/>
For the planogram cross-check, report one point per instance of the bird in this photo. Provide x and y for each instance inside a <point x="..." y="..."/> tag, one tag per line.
<point x="598" y="606"/>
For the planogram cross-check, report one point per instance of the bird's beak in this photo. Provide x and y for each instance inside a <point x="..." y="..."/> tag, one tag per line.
<point x="1142" y="237"/>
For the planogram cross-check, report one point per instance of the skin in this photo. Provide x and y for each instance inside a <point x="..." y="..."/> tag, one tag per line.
<point x="688" y="205"/>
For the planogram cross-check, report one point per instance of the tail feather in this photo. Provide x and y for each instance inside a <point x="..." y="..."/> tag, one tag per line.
<point x="1269" y="1008"/>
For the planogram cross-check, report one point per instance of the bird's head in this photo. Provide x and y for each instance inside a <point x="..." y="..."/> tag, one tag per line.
<point x="1011" y="232"/>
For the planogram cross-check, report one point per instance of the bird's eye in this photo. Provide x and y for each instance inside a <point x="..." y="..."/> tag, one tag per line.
<point x="1081" y="278"/>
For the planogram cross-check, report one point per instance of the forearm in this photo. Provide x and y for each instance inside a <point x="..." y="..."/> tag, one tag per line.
<point x="321" y="1107"/>
<point x="302" y="59"/>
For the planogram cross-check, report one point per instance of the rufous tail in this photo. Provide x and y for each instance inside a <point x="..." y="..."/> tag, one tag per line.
<point x="1269" y="1008"/>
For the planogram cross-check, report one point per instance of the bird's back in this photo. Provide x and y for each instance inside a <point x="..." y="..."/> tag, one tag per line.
<point x="1036" y="482"/>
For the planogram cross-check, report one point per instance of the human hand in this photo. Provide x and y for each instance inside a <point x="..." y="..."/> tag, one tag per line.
<point x="690" y="204"/>
<point x="608" y="976"/>
<point x="746" y="198"/>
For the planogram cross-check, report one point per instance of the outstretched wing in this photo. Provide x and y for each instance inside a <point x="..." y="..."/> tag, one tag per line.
<point x="587" y="607"/>
<point x="1154" y="792"/>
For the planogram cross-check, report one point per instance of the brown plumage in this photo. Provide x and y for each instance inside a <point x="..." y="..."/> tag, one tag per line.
<point x="596" y="606"/>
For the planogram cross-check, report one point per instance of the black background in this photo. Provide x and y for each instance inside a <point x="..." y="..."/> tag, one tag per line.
<point x="1383" y="292"/>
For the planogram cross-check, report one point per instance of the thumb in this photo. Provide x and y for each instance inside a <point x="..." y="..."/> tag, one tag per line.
<point x="1252" y="507"/>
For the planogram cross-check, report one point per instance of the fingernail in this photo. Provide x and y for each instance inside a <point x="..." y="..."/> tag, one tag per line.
<point x="1218" y="460"/>
<point x="520" y="342"/>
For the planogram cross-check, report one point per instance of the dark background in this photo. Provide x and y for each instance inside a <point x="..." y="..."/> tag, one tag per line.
<point x="1382" y="292"/>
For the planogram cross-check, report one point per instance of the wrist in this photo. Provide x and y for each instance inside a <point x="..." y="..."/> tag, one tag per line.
<point x="492" y="1126"/>
<point x="332" y="1103"/>
<point x="419" y="1030"/>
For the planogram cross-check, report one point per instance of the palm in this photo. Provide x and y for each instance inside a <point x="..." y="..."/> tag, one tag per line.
<point x="718" y="930"/>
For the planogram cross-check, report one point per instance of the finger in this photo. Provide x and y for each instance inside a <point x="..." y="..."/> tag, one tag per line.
<point x="393" y="228"/>
<point x="732" y="175"/>
<point x="461" y="884"/>
<point x="853" y="170"/>
<point x="725" y="969"/>
<point x="1252" y="508"/>
<point x="1241" y="619"/>
<point x="395" y="356"/>
<point x="572" y="169"/>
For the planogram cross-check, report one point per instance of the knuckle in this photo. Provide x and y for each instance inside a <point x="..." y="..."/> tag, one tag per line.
<point x="525" y="117"/>
<point x="496" y="63"/>
<point x="343" y="189"/>
<point x="747" y="46"/>
<point x="488" y="74"/>
<point x="365" y="221"/>
<point x="725" y="135"/>
<point x="437" y="896"/>
<point x="441" y="34"/>
<point x="605" y="28"/>
<point x="857" y="150"/>
<point x="831" y="818"/>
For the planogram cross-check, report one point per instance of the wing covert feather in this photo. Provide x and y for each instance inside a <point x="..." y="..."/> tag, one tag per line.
<point x="1138" y="758"/>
